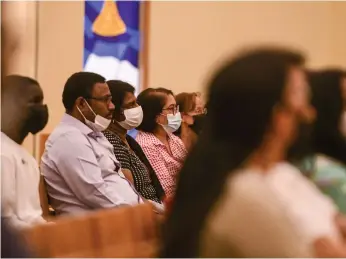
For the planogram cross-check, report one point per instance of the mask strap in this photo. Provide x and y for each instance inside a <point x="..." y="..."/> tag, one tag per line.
<point x="81" y="113"/>
<point x="90" y="107"/>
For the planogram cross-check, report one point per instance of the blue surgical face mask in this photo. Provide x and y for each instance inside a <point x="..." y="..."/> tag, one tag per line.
<point x="174" y="122"/>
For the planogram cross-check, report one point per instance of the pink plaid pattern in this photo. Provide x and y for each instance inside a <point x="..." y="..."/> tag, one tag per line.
<point x="165" y="165"/>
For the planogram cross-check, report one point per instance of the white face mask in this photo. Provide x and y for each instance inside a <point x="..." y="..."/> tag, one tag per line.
<point x="174" y="122"/>
<point x="134" y="118"/>
<point x="100" y="124"/>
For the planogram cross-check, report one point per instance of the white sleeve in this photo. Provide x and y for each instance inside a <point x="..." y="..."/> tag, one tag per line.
<point x="8" y="193"/>
<point x="250" y="222"/>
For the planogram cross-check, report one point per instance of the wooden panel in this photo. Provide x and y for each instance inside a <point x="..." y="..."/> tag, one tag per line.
<point x="43" y="198"/>
<point x="136" y="231"/>
<point x="37" y="241"/>
<point x="43" y="139"/>
<point x="42" y="187"/>
<point x="73" y="238"/>
<point x="144" y="49"/>
<point x="120" y="232"/>
<point x="114" y="231"/>
<point x="66" y="238"/>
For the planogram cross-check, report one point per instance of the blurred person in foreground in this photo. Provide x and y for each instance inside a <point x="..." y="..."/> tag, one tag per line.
<point x="12" y="242"/>
<point x="134" y="164"/>
<point x="327" y="167"/>
<point x="22" y="112"/>
<point x="237" y="196"/>
<point x="78" y="164"/>
<point x="192" y="112"/>
<point x="12" y="246"/>
<point x="165" y="151"/>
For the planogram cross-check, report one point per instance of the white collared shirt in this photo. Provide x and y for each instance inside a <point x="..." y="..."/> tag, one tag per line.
<point x="82" y="172"/>
<point x="20" y="179"/>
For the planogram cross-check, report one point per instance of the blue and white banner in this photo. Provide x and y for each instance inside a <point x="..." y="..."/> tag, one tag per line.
<point x="112" y="39"/>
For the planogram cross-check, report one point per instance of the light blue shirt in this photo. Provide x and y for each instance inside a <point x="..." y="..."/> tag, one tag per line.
<point x="81" y="171"/>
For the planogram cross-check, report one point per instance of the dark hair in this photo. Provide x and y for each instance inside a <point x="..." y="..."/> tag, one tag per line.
<point x="152" y="101"/>
<point x="79" y="84"/>
<point x="241" y="98"/>
<point x="118" y="90"/>
<point x="328" y="101"/>
<point x="19" y="80"/>
<point x="17" y="84"/>
<point x="186" y="101"/>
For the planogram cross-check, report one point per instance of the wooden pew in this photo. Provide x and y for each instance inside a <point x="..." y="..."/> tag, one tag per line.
<point x="47" y="210"/>
<point x="42" y="139"/>
<point x="119" y="232"/>
<point x="68" y="237"/>
<point x="43" y="198"/>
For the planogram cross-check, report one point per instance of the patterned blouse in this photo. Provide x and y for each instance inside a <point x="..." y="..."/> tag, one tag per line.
<point x="165" y="165"/>
<point x="129" y="160"/>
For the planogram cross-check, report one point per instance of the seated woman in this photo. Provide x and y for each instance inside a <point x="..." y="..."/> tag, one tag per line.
<point x="327" y="168"/>
<point x="237" y="195"/>
<point x="135" y="166"/>
<point x="192" y="112"/>
<point x="165" y="152"/>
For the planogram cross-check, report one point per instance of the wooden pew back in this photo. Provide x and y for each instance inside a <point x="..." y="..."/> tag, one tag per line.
<point x="119" y="232"/>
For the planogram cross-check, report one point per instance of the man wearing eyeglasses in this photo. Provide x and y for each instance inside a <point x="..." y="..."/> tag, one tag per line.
<point x="78" y="164"/>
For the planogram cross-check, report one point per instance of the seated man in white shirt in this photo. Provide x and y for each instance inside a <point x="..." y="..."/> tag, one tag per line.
<point x="79" y="165"/>
<point x="22" y="111"/>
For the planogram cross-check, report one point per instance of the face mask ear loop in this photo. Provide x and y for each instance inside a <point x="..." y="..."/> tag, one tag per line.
<point x="90" y="107"/>
<point x="81" y="113"/>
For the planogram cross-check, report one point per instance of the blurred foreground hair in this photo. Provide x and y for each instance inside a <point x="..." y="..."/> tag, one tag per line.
<point x="241" y="98"/>
<point x="327" y="99"/>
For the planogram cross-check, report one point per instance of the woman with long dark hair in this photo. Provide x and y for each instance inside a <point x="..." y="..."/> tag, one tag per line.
<point x="235" y="194"/>
<point x="165" y="151"/>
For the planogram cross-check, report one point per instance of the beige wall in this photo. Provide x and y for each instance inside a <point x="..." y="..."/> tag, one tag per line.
<point x="21" y="16"/>
<point x="339" y="35"/>
<point x="61" y="38"/>
<point x="187" y="39"/>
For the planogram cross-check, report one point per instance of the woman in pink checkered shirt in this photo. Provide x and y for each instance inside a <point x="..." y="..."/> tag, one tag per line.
<point x="165" y="152"/>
